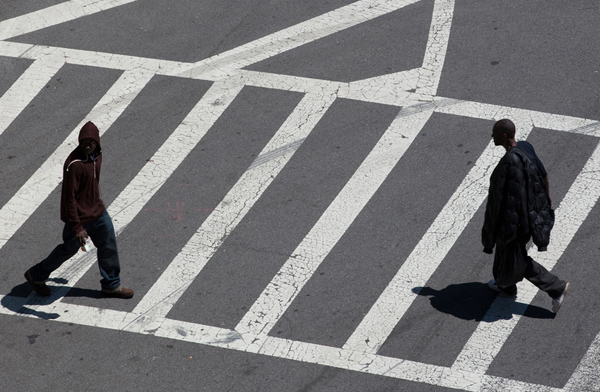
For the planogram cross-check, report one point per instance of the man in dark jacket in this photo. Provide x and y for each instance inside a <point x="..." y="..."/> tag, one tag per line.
<point x="519" y="209"/>
<point x="84" y="215"/>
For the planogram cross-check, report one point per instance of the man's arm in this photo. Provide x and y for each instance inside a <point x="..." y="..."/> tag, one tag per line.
<point x="547" y="182"/>
<point x="71" y="179"/>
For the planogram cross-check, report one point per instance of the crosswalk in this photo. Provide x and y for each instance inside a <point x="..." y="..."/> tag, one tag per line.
<point x="413" y="95"/>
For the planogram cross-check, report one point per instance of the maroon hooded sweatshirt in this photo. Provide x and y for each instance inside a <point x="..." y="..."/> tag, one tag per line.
<point x="80" y="199"/>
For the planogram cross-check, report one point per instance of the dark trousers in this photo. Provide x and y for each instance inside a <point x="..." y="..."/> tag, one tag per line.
<point x="512" y="264"/>
<point x="102" y="233"/>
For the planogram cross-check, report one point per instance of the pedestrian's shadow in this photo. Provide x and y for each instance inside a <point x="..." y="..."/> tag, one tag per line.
<point x="475" y="301"/>
<point x="18" y="298"/>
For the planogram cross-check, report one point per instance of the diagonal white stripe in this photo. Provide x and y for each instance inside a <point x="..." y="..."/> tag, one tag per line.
<point x="234" y="206"/>
<point x="29" y="84"/>
<point x="334" y="222"/>
<point x="489" y="337"/>
<point x="152" y="176"/>
<point x="297" y="35"/>
<point x="39" y="186"/>
<point x="54" y="15"/>
<point x="431" y="250"/>
<point x="587" y="377"/>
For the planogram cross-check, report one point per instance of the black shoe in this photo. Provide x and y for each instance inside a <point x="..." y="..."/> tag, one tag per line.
<point x="38" y="287"/>
<point x="120" y="292"/>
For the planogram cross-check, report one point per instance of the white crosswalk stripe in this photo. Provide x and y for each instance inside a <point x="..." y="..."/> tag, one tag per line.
<point x="413" y="92"/>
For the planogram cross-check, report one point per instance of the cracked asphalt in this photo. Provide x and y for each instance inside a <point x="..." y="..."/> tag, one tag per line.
<point x="297" y="189"/>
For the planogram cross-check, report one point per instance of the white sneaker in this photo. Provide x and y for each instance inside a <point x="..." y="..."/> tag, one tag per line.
<point x="556" y="303"/>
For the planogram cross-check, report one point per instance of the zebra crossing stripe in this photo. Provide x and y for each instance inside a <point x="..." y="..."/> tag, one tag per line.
<point x="54" y="15"/>
<point x="292" y="37"/>
<point x="22" y="92"/>
<point x="431" y="250"/>
<point x="486" y="111"/>
<point x="283" y="348"/>
<point x="587" y="377"/>
<point x="39" y="186"/>
<point x="489" y="337"/>
<point x="334" y="222"/>
<point x="150" y="178"/>
<point x="222" y="221"/>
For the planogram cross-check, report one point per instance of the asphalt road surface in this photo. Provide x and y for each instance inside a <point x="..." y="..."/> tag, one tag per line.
<point x="298" y="192"/>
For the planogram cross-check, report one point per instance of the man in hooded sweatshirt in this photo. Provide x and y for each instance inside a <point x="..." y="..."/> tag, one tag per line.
<point x="85" y="216"/>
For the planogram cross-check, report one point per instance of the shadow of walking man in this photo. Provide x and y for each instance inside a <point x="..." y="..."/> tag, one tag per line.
<point x="475" y="301"/>
<point x="19" y="300"/>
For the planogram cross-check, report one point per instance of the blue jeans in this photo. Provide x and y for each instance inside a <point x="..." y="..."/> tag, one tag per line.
<point x="102" y="233"/>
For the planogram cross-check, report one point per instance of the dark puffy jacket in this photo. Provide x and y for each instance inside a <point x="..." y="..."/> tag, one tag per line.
<point x="518" y="206"/>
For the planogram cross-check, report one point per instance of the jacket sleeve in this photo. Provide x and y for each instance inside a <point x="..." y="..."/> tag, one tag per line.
<point x="493" y="207"/>
<point x="539" y="210"/>
<point x="71" y="180"/>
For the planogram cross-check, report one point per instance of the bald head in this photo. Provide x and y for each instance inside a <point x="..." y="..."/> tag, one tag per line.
<point x="503" y="133"/>
<point x="505" y="126"/>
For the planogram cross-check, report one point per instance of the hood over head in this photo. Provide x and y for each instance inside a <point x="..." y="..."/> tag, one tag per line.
<point x="90" y="131"/>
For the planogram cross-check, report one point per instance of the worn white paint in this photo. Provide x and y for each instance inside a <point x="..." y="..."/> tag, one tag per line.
<point x="334" y="222"/>
<point x="222" y="221"/>
<point x="415" y="90"/>
<point x="277" y="347"/>
<point x="426" y="256"/>
<point x="489" y="337"/>
<point x="51" y="16"/>
<point x="39" y="186"/>
<point x="29" y="84"/>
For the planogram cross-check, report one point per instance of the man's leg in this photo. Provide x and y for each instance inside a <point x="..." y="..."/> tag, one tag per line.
<point x="544" y="279"/>
<point x="507" y="269"/>
<point x="57" y="257"/>
<point x="103" y="236"/>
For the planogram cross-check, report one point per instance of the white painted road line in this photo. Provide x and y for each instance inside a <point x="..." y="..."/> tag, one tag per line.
<point x="51" y="16"/>
<point x="29" y="84"/>
<point x="173" y="152"/>
<point x="181" y="272"/>
<point x="334" y="222"/>
<point x="292" y="37"/>
<point x="437" y="45"/>
<point x="39" y="186"/>
<point x="468" y="372"/>
<point x="431" y="250"/>
<point x="93" y="59"/>
<point x="151" y="177"/>
<point x="587" y="377"/>
<point x="536" y="118"/>
<point x="279" y="348"/>
<point x="489" y="337"/>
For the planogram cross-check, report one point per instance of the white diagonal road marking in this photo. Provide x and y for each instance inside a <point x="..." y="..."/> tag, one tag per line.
<point x="222" y="221"/>
<point x="29" y="84"/>
<point x="153" y="175"/>
<point x="39" y="186"/>
<point x="334" y="222"/>
<point x="56" y="14"/>
<point x="431" y="250"/>
<point x="489" y="337"/>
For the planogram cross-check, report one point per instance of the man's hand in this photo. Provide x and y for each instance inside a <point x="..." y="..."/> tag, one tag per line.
<point x="488" y="250"/>
<point x="81" y="237"/>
